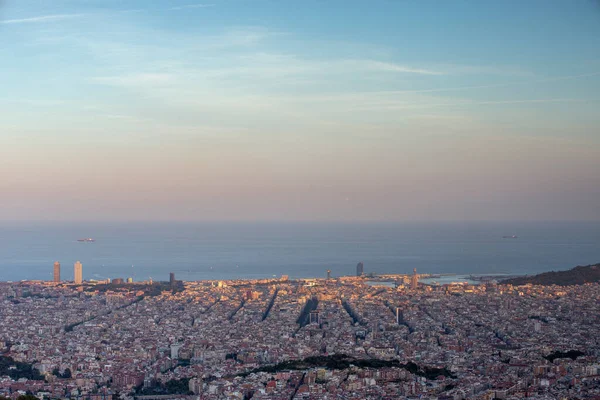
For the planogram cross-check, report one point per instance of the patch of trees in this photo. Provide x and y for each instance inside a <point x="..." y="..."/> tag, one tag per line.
<point x="22" y="397"/>
<point x="65" y="375"/>
<point x="70" y="327"/>
<point x="20" y="370"/>
<point x="174" y="386"/>
<point x="572" y="354"/>
<point x="449" y="387"/>
<point x="342" y="361"/>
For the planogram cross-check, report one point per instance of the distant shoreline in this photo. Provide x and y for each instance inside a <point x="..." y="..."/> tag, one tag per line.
<point x="575" y="276"/>
<point x="392" y="278"/>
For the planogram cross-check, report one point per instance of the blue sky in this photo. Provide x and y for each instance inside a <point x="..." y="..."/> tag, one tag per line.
<point x="312" y="110"/>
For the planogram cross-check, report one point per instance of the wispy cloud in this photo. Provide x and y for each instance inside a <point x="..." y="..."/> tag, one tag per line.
<point x="33" y="102"/>
<point x="412" y="106"/>
<point x="500" y="70"/>
<point x="41" y="18"/>
<point x="392" y="67"/>
<point x="125" y="118"/>
<point x="191" y="6"/>
<point x="497" y="85"/>
<point x="530" y="101"/>
<point x="133" y="80"/>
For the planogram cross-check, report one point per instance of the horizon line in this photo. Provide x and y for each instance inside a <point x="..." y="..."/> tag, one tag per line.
<point x="291" y="221"/>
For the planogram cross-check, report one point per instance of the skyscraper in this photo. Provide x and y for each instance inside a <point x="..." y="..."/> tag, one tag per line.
<point x="78" y="273"/>
<point x="414" y="281"/>
<point x="399" y="315"/>
<point x="314" y="317"/>
<point x="360" y="269"/>
<point x="56" y="271"/>
<point x="328" y="274"/>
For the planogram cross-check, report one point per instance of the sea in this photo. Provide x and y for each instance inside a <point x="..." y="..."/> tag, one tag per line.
<point x="220" y="251"/>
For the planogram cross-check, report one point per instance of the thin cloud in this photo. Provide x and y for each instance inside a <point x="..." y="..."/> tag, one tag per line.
<point x="33" y="102"/>
<point x="41" y="18"/>
<point x="141" y="79"/>
<point x="530" y="101"/>
<point x="457" y="69"/>
<point x="391" y="67"/>
<point x="191" y="6"/>
<point x="495" y="85"/>
<point x="408" y="106"/>
<point x="442" y="69"/>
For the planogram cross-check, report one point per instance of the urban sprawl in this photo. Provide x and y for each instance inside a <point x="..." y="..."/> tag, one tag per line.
<point x="353" y="337"/>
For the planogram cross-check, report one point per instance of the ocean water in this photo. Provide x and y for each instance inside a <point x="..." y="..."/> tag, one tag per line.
<point x="251" y="250"/>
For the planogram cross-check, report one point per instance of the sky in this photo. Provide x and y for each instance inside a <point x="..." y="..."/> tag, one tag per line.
<point x="299" y="111"/>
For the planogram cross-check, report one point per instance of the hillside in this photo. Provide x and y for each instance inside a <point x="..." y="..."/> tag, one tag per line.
<point x="576" y="276"/>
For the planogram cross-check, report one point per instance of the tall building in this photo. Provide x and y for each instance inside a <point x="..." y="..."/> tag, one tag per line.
<point x="399" y="315"/>
<point x="56" y="271"/>
<point x="78" y="273"/>
<point x="175" y="350"/>
<point x="328" y="274"/>
<point x="314" y="317"/>
<point x="360" y="269"/>
<point x="414" y="281"/>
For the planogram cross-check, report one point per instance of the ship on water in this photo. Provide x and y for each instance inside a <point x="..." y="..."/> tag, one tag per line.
<point x="86" y="240"/>
<point x="509" y="237"/>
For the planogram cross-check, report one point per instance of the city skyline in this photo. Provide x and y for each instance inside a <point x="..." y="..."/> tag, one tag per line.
<point x="330" y="111"/>
<point x="278" y="338"/>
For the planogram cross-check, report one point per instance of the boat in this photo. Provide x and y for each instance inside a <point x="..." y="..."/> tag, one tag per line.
<point x="86" y="240"/>
<point x="509" y="237"/>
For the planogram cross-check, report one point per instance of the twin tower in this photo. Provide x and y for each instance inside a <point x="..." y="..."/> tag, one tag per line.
<point x="77" y="272"/>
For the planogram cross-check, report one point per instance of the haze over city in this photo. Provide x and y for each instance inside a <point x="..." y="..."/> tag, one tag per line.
<point x="331" y="111"/>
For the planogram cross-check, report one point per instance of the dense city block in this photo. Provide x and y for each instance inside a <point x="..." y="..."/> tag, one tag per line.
<point x="342" y="338"/>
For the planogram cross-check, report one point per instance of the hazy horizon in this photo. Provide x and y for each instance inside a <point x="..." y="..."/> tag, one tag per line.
<point x="335" y="111"/>
<point x="244" y="250"/>
<point x="109" y="221"/>
<point x="301" y="222"/>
